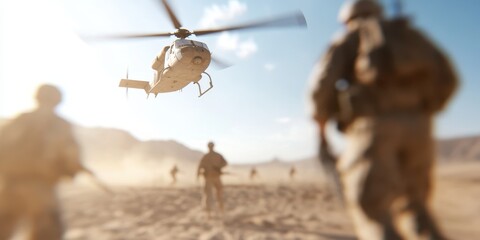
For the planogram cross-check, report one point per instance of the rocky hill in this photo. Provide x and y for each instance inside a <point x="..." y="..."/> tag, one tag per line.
<point x="103" y="144"/>
<point x="114" y="149"/>
<point x="118" y="157"/>
<point x="113" y="145"/>
<point x="459" y="149"/>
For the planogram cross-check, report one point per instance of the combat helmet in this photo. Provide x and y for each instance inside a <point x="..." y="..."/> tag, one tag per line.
<point x="359" y="8"/>
<point x="48" y="95"/>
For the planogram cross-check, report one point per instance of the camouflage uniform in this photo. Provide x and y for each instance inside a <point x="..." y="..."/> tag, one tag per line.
<point x="387" y="167"/>
<point x="36" y="150"/>
<point x="211" y="166"/>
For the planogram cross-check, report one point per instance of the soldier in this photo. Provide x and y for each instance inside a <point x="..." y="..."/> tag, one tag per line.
<point x="253" y="174"/>
<point x="382" y="83"/>
<point x="173" y="174"/>
<point x="292" y="173"/>
<point x="211" y="168"/>
<point x="37" y="149"/>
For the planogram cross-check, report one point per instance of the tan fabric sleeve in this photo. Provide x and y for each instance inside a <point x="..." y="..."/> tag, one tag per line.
<point x="222" y="161"/>
<point x="70" y="154"/>
<point x="447" y="82"/>
<point x="333" y="66"/>
<point x="201" y="166"/>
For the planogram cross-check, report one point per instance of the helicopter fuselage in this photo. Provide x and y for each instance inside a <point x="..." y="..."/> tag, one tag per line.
<point x="183" y="63"/>
<point x="175" y="67"/>
<point x="186" y="60"/>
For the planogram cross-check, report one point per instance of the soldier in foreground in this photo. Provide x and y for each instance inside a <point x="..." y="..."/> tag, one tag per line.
<point x="382" y="83"/>
<point x="37" y="149"/>
<point x="211" y="168"/>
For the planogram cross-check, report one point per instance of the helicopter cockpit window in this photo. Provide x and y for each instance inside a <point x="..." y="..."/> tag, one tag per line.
<point x="199" y="44"/>
<point x="203" y="45"/>
<point x="184" y="42"/>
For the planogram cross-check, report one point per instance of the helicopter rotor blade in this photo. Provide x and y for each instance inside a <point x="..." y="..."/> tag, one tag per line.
<point x="220" y="64"/>
<point x="292" y="19"/>
<point x="125" y="36"/>
<point x="172" y="15"/>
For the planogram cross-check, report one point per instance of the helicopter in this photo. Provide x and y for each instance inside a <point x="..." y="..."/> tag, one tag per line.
<point x="186" y="60"/>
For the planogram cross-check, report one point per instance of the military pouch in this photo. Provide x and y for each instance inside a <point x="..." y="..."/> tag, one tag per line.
<point x="354" y="101"/>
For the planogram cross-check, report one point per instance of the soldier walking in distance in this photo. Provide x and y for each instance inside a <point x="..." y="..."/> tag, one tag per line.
<point x="292" y="173"/>
<point x="37" y="149"/>
<point x="173" y="174"/>
<point x="211" y="168"/>
<point x="253" y="174"/>
<point x="382" y="83"/>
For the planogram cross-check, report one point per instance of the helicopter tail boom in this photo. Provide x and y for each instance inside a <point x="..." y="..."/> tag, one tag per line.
<point x="128" y="83"/>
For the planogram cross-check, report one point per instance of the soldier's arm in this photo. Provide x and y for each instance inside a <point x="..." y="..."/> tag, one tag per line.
<point x="332" y="67"/>
<point x="200" y="168"/>
<point x="223" y="162"/>
<point x="447" y="81"/>
<point x="71" y="155"/>
<point x="444" y="75"/>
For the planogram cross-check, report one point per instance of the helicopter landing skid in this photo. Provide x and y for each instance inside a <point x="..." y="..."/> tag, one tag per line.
<point x="200" y="88"/>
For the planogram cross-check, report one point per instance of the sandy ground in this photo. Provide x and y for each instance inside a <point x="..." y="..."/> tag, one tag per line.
<point x="257" y="211"/>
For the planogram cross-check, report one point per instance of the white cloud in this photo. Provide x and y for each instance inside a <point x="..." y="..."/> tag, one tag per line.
<point x="283" y="120"/>
<point x="247" y="48"/>
<point x="231" y="43"/>
<point x="221" y="13"/>
<point x="269" y="67"/>
<point x="291" y="134"/>
<point x="217" y="15"/>
<point x="228" y="42"/>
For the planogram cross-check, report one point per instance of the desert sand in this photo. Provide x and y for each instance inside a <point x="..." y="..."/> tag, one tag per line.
<point x="286" y="210"/>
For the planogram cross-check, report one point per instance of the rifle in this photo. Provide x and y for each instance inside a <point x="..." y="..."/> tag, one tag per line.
<point x="221" y="174"/>
<point x="228" y="173"/>
<point x="328" y="160"/>
<point x="96" y="180"/>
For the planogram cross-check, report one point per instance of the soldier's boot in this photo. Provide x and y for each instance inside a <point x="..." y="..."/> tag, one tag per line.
<point x="377" y="200"/>
<point x="47" y="225"/>
<point x="220" y="201"/>
<point x="207" y="207"/>
<point x="389" y="231"/>
<point x="208" y="198"/>
<point x="426" y="225"/>
<point x="8" y="223"/>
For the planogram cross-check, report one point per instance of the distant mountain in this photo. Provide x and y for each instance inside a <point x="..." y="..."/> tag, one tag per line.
<point x="120" y="158"/>
<point x="3" y="122"/>
<point x="459" y="149"/>
<point x="114" y="145"/>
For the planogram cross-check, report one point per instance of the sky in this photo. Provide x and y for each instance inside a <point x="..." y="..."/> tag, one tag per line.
<point x="258" y="109"/>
